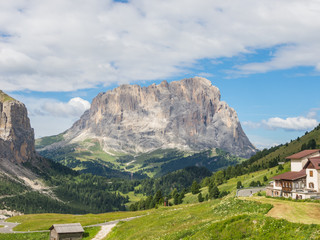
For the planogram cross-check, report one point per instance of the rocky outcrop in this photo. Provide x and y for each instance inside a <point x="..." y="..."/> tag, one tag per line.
<point x="186" y="114"/>
<point x="16" y="134"/>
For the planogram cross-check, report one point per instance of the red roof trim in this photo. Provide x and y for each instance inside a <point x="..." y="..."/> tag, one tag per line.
<point x="315" y="161"/>
<point x="291" y="175"/>
<point x="302" y="154"/>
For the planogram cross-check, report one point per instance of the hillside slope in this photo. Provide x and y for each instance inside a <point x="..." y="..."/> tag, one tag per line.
<point x="310" y="140"/>
<point x="30" y="183"/>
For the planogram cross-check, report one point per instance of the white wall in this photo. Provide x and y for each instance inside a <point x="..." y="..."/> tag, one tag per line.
<point x="313" y="179"/>
<point x="298" y="164"/>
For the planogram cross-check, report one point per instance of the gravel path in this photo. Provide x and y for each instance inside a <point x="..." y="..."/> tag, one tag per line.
<point x="107" y="227"/>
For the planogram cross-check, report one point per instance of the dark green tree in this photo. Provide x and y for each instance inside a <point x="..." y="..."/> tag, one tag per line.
<point x="215" y="192"/>
<point x="157" y="196"/>
<point x="239" y="185"/>
<point x="195" y="188"/>
<point x="200" y="198"/>
<point x="265" y="179"/>
<point x="176" y="199"/>
<point x="312" y="144"/>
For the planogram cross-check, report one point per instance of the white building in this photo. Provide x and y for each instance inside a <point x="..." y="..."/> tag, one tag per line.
<point x="304" y="179"/>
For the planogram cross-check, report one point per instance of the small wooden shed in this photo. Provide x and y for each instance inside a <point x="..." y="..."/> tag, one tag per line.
<point x="71" y="231"/>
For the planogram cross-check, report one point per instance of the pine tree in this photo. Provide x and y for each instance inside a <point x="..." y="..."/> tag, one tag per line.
<point x="176" y="199"/>
<point x="195" y="188"/>
<point x="200" y="198"/>
<point x="216" y="192"/>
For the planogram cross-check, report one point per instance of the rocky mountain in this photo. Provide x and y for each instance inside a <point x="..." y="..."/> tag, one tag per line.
<point x="186" y="115"/>
<point x="16" y="134"/>
<point x="30" y="183"/>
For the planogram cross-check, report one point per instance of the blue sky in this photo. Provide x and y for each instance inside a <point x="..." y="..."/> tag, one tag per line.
<point x="264" y="56"/>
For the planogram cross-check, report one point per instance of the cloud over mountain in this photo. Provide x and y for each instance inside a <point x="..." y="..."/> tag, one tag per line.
<point x="66" y="45"/>
<point x="74" y="108"/>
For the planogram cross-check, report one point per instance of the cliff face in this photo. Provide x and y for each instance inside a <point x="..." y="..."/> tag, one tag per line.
<point x="186" y="114"/>
<point x="16" y="134"/>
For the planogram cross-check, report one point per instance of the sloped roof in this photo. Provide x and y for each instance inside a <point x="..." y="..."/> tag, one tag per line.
<point x="302" y="154"/>
<point x="291" y="175"/>
<point x="315" y="162"/>
<point x="67" y="228"/>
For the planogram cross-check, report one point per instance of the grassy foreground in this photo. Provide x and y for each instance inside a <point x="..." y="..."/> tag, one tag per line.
<point x="35" y="222"/>
<point x="229" y="218"/>
<point x="293" y="211"/>
<point x="89" y="233"/>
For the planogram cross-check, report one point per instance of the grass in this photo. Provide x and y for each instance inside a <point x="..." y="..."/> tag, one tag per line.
<point x="1" y="226"/>
<point x="231" y="184"/>
<point x="293" y="211"/>
<point x="45" y="141"/>
<point x="88" y="234"/>
<point x="230" y="218"/>
<point x="193" y="198"/>
<point x="292" y="147"/>
<point x="133" y="197"/>
<point x="35" y="222"/>
<point x="183" y="220"/>
<point x="246" y="179"/>
<point x="24" y="236"/>
<point x="4" y="97"/>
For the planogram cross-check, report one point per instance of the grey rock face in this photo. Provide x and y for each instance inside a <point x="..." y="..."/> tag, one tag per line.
<point x="16" y="134"/>
<point x="186" y="114"/>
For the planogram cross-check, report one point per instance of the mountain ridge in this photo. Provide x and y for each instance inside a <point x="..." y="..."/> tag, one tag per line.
<point x="185" y="115"/>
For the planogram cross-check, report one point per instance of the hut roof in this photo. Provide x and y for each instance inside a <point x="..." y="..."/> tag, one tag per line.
<point x="67" y="228"/>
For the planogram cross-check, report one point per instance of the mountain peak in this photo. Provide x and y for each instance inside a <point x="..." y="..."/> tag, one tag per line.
<point x="16" y="134"/>
<point x="198" y="80"/>
<point x="186" y="115"/>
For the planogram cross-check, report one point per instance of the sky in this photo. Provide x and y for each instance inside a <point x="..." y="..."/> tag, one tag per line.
<point x="264" y="56"/>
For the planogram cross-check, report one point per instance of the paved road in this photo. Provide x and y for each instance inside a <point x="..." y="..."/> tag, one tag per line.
<point x="247" y="192"/>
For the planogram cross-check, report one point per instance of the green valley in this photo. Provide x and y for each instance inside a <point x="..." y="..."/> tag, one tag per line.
<point x="89" y="157"/>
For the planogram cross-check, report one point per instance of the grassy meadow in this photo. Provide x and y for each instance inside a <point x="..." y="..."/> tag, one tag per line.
<point x="35" y="222"/>
<point x="229" y="218"/>
<point x="293" y="211"/>
<point x="88" y="234"/>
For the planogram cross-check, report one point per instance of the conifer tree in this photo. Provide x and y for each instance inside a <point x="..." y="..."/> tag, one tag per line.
<point x="195" y="188"/>
<point x="200" y="198"/>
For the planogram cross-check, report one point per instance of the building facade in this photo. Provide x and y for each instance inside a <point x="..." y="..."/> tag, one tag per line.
<point x="303" y="181"/>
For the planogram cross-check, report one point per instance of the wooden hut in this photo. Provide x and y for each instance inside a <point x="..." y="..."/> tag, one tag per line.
<point x="71" y="231"/>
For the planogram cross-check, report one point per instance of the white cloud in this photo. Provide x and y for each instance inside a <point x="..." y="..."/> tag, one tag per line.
<point x="300" y="123"/>
<point x="68" y="45"/>
<point x="74" y="108"/>
<point x="293" y="123"/>
<point x="49" y="116"/>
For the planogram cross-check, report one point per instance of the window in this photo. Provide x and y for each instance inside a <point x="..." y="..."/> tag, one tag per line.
<point x="311" y="185"/>
<point x="311" y="173"/>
